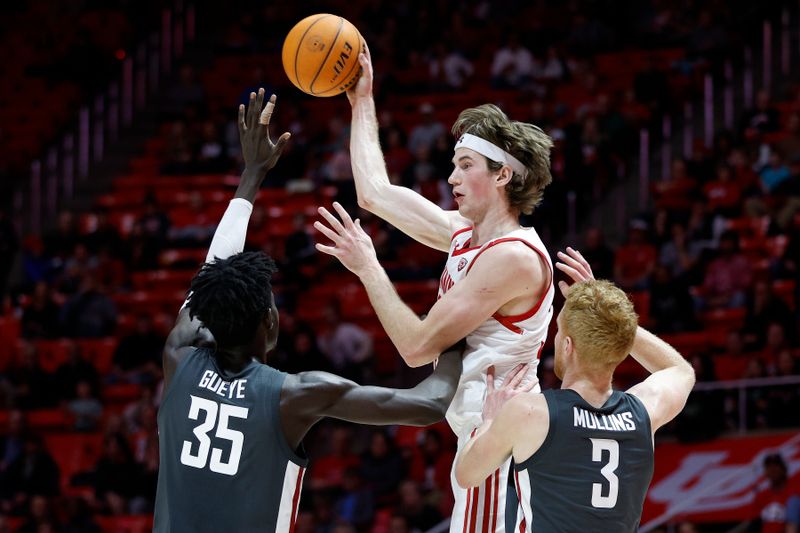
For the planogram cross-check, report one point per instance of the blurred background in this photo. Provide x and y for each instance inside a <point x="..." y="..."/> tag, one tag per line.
<point x="676" y="172"/>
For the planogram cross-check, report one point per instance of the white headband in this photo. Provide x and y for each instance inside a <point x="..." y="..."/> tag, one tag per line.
<point x="492" y="151"/>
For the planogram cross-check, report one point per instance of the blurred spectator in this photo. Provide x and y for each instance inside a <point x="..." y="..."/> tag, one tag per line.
<point x="763" y="308"/>
<point x="449" y="69"/>
<point x="635" y="261"/>
<point x="775" y="173"/>
<point x="149" y="234"/>
<point x="770" y="502"/>
<point x="723" y="194"/>
<point x="33" y="472"/>
<point x="187" y="93"/>
<point x="728" y="276"/>
<point x="9" y="246"/>
<point x="104" y="235"/>
<point x="764" y="118"/>
<point x="138" y="355"/>
<point x="198" y="225"/>
<point x="513" y="65"/>
<point x="356" y="505"/>
<point x="651" y="85"/>
<point x="328" y="471"/>
<point x="32" y="386"/>
<point x="85" y="408"/>
<point x="598" y="254"/>
<point x="74" y="370"/>
<point x="116" y="476"/>
<point x="12" y="441"/>
<point x="89" y="312"/>
<point x="398" y="157"/>
<point x="671" y="305"/>
<point x="419" y="514"/>
<point x="425" y="133"/>
<point x="678" y="255"/>
<point x="75" y="267"/>
<point x="304" y="354"/>
<point x="399" y="524"/>
<point x="299" y="245"/>
<point x="79" y="517"/>
<point x="61" y="241"/>
<point x="793" y="514"/>
<point x="382" y="467"/>
<point x="776" y="342"/>
<point x="40" y="517"/>
<point x="40" y="318"/>
<point x="790" y="143"/>
<point x="211" y="155"/>
<point x="430" y="468"/>
<point x="347" y="346"/>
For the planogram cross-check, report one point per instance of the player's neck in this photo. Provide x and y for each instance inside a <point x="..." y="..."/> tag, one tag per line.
<point x="495" y="223"/>
<point x="594" y="389"/>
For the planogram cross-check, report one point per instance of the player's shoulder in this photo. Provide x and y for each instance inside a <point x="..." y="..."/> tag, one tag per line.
<point x="530" y="407"/>
<point x="513" y="257"/>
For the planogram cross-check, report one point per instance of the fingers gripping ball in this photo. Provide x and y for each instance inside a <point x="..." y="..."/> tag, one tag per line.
<point x="320" y="55"/>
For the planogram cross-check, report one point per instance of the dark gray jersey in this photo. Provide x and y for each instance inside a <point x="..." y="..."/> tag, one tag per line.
<point x="225" y="464"/>
<point x="593" y="468"/>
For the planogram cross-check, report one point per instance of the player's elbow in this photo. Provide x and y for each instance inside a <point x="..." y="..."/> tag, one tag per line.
<point x="464" y="478"/>
<point x="416" y="358"/>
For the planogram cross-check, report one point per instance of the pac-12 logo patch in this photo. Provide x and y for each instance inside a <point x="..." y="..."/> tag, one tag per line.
<point x="461" y="264"/>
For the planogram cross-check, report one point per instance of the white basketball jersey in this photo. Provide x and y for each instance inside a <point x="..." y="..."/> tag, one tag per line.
<point x="502" y="341"/>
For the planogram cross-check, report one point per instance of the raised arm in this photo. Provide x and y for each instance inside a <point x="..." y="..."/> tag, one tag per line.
<point x="665" y="391"/>
<point x="260" y="155"/>
<point x="309" y="396"/>
<point x="405" y="209"/>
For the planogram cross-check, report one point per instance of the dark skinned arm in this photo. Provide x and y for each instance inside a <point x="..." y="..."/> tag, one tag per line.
<point x="308" y="397"/>
<point x="260" y="154"/>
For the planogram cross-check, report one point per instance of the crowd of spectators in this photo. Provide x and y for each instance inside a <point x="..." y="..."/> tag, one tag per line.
<point x="692" y="257"/>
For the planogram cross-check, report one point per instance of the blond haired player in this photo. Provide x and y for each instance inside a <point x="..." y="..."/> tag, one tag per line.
<point x="496" y="289"/>
<point x="583" y="454"/>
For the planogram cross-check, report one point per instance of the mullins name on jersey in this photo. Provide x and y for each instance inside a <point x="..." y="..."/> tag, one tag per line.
<point x="614" y="422"/>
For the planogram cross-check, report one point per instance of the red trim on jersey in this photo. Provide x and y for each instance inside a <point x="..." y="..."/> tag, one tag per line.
<point x="466" y="510"/>
<point x="496" y="499"/>
<point x="522" y="524"/>
<point x="296" y="498"/>
<point x="459" y="232"/>
<point x="538" y="353"/>
<point x="486" y="505"/>
<point x="509" y="321"/>
<point x="474" y="511"/>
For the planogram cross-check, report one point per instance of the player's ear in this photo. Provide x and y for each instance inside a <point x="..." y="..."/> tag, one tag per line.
<point x="504" y="176"/>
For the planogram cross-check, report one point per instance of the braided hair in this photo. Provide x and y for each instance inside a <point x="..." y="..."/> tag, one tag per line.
<point x="231" y="296"/>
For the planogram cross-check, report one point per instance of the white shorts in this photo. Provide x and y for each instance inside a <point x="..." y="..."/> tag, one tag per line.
<point x="480" y="509"/>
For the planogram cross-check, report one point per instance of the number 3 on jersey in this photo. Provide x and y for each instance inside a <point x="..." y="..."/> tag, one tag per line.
<point x="612" y="447"/>
<point x="226" y="412"/>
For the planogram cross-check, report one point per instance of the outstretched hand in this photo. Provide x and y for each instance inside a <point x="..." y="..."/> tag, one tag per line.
<point x="363" y="87"/>
<point x="352" y="246"/>
<point x="259" y="152"/>
<point x="513" y="386"/>
<point x="574" y="265"/>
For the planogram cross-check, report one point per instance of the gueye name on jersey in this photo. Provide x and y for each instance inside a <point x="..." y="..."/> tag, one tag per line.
<point x="615" y="422"/>
<point x="220" y="387"/>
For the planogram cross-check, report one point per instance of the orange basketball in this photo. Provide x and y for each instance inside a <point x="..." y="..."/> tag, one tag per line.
<point x="320" y="55"/>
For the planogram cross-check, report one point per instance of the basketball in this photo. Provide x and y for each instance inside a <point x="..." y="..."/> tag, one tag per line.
<point x="320" y="55"/>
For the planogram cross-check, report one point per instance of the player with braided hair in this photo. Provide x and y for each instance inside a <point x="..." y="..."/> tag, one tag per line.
<point x="230" y="426"/>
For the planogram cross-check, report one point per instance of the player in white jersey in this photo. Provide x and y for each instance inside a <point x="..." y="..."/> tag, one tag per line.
<point x="497" y="287"/>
